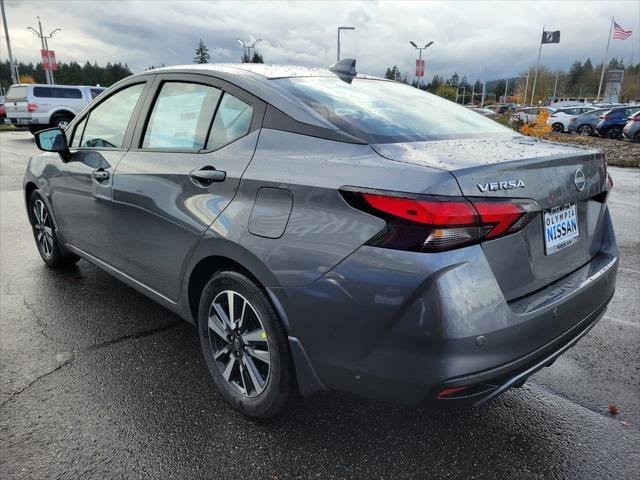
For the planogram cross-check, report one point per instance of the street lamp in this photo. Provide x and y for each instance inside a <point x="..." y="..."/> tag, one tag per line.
<point x="342" y="28"/>
<point x="45" y="46"/>
<point x="420" y="49"/>
<point x="246" y="48"/>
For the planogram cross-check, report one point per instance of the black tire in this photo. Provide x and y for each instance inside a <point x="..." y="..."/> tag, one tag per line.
<point x="585" y="130"/>
<point x="46" y="236"/>
<point x="558" y="127"/>
<point x="228" y="357"/>
<point x="636" y="137"/>
<point x="61" y="121"/>
<point x="614" y="133"/>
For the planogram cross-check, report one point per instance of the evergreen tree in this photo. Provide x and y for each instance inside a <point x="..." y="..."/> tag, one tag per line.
<point x="202" y="53"/>
<point x="257" y="58"/>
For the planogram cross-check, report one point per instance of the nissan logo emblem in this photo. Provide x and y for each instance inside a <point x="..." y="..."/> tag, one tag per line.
<point x="579" y="180"/>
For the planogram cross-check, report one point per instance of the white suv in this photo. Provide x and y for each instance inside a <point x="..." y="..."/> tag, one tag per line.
<point x="40" y="106"/>
<point x="561" y="118"/>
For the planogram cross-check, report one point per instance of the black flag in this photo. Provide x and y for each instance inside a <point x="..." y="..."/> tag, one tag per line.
<point x="551" y="37"/>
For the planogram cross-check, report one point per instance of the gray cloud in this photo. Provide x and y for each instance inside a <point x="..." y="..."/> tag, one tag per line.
<point x="501" y="37"/>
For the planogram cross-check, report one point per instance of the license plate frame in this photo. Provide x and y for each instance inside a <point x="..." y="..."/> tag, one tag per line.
<point x="561" y="228"/>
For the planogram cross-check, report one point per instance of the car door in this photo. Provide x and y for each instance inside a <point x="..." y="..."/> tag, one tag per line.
<point x="190" y="153"/>
<point x="81" y="187"/>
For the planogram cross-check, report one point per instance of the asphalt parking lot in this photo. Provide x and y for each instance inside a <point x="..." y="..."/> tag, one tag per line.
<point x="97" y="381"/>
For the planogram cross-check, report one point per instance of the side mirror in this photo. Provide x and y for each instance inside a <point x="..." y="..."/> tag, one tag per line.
<point x="53" y="140"/>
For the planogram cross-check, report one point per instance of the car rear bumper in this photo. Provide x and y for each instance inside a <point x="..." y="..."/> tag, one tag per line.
<point x="25" y="121"/>
<point x="403" y="326"/>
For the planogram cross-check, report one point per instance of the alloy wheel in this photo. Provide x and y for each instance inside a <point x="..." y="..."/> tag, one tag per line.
<point x="239" y="343"/>
<point x="63" y="124"/>
<point x="43" y="228"/>
<point x="585" y="130"/>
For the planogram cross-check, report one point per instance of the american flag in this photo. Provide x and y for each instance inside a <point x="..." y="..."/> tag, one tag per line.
<point x="619" y="32"/>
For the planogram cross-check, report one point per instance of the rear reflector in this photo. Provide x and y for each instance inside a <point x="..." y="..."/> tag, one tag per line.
<point x="433" y="224"/>
<point x="450" y="391"/>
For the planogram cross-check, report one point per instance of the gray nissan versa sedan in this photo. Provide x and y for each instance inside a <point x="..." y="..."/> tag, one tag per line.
<point x="328" y="230"/>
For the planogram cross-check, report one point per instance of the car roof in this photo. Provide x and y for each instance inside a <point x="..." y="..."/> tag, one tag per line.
<point x="55" y="85"/>
<point x="266" y="70"/>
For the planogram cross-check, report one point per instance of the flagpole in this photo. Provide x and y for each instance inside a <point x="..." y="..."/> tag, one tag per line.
<point x="604" y="62"/>
<point x="535" y="77"/>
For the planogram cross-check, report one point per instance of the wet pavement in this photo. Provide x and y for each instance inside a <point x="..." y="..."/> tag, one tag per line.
<point x="97" y="381"/>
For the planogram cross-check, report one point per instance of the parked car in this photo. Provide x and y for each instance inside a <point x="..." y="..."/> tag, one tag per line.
<point x="529" y="115"/>
<point x="325" y="230"/>
<point x="40" y="106"/>
<point x="585" y="124"/>
<point x="484" y="111"/>
<point x="631" y="129"/>
<point x="561" y="118"/>
<point x="613" y="121"/>
<point x="3" y="111"/>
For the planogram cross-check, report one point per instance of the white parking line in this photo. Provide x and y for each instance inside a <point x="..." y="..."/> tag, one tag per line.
<point x="626" y="322"/>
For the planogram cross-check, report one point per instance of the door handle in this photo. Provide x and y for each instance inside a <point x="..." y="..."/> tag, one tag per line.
<point x="208" y="174"/>
<point x="100" y="175"/>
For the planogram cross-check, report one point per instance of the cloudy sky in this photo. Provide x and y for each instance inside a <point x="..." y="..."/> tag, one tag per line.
<point x="469" y="36"/>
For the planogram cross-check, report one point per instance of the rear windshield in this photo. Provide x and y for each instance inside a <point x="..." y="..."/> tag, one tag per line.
<point x="17" y="93"/>
<point x="56" y="92"/>
<point x="380" y="111"/>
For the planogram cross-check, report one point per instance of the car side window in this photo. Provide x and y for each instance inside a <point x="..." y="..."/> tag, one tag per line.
<point x="107" y="123"/>
<point x="95" y="92"/>
<point x="181" y="116"/>
<point x="232" y="121"/>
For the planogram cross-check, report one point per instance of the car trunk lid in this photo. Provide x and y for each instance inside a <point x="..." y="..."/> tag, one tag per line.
<point x="553" y="175"/>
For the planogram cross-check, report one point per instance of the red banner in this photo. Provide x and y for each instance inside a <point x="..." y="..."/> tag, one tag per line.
<point x="419" y="68"/>
<point x="49" y="60"/>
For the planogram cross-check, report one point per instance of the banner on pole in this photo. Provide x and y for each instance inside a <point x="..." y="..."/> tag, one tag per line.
<point x="419" y="68"/>
<point x="49" y="60"/>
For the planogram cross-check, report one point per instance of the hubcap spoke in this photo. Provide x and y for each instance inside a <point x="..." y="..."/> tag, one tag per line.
<point x="222" y="315"/>
<point x="240" y="322"/>
<point x="218" y="328"/>
<point x="228" y="368"/>
<point x="260" y="355"/>
<point x="223" y="351"/>
<point x="232" y="318"/>
<point x="255" y="336"/>
<point x="255" y="376"/>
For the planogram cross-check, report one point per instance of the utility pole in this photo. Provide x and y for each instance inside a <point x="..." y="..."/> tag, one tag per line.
<point x="484" y="87"/>
<point x="246" y="48"/>
<point x="15" y="76"/>
<point x="45" y="46"/>
<point x="420" y="49"/>
<point x="526" y="87"/>
<point x="555" y="86"/>
<point x="506" y="83"/>
<point x="342" y="28"/>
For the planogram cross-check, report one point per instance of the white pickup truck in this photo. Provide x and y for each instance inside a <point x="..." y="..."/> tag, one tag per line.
<point x="39" y="106"/>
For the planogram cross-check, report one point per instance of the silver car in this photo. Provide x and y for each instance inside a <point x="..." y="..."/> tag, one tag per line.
<point x="40" y="106"/>
<point x="328" y="230"/>
<point x="632" y="128"/>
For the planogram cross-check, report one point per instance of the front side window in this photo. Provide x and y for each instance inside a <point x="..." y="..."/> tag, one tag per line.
<point x="181" y="116"/>
<point x="107" y="123"/>
<point x="233" y="120"/>
<point x="379" y="111"/>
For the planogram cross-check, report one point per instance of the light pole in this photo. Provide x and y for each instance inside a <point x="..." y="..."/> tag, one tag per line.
<point x="15" y="76"/>
<point x="45" y="46"/>
<point x="246" y="48"/>
<point x="420" y="49"/>
<point x="342" y="28"/>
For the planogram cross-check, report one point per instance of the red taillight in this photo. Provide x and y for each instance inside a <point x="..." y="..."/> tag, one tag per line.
<point x="32" y="107"/>
<point x="605" y="117"/>
<point x="428" y="224"/>
<point x="609" y="182"/>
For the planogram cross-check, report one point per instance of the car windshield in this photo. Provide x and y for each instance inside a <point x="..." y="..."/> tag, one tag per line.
<point x="17" y="93"/>
<point x="379" y="111"/>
